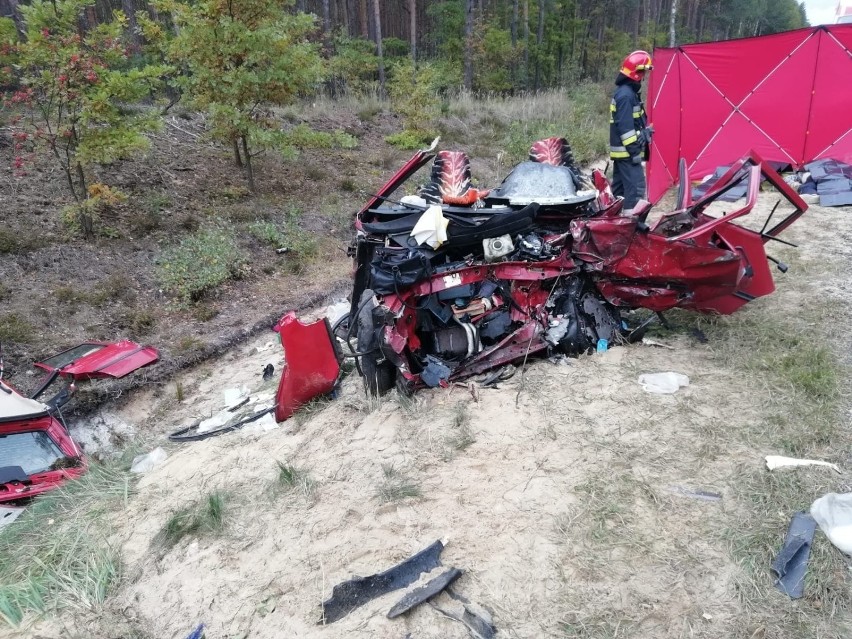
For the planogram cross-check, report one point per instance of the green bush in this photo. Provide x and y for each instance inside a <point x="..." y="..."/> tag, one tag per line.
<point x="414" y="96"/>
<point x="395" y="48"/>
<point x="303" y="137"/>
<point x="353" y="67"/>
<point x="200" y="263"/>
<point x="409" y="140"/>
<point x="14" y="328"/>
<point x="301" y="245"/>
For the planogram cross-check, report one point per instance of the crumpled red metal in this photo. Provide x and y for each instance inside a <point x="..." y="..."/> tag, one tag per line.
<point x="312" y="364"/>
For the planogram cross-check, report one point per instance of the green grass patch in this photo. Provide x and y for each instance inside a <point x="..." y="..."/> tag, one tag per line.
<point x="13" y="242"/>
<point x="771" y="499"/>
<point x="410" y="140"/>
<point x="303" y="137"/>
<point x="58" y="554"/>
<point x="301" y="245"/>
<point x="293" y="478"/>
<point x="396" y="485"/>
<point x="201" y="262"/>
<point x="789" y="357"/>
<point x="204" y="517"/>
<point x="14" y="328"/>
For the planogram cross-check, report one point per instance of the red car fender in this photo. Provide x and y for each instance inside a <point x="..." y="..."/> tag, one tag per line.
<point x="312" y="363"/>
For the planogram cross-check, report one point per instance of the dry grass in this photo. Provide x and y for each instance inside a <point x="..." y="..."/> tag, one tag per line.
<point x="396" y="485"/>
<point x="291" y="478"/>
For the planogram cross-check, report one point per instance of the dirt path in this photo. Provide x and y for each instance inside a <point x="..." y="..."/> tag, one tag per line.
<point x="563" y="494"/>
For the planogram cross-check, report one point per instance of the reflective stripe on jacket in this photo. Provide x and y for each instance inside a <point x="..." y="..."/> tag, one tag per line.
<point x="626" y="124"/>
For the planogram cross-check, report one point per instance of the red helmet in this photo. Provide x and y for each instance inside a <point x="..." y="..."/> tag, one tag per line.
<point x="635" y="65"/>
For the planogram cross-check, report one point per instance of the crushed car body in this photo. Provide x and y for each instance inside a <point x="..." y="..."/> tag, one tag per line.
<point x="455" y="281"/>
<point x="37" y="453"/>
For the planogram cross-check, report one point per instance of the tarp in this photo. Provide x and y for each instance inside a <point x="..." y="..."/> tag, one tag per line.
<point x="787" y="96"/>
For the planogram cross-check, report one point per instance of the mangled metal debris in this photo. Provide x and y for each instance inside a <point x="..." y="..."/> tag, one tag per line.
<point x="37" y="452"/>
<point x="458" y="281"/>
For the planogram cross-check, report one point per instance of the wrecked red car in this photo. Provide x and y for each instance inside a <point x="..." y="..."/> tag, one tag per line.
<point x="37" y="453"/>
<point x="455" y="281"/>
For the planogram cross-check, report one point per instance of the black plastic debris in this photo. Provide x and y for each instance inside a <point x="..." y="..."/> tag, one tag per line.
<point x="352" y="594"/>
<point x="268" y="372"/>
<point x="699" y="335"/>
<point x="703" y="495"/>
<point x="501" y="374"/>
<point x="475" y="618"/>
<point x="425" y="592"/>
<point x="791" y="563"/>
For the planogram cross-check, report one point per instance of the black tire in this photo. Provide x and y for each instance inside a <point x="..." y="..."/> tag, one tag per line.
<point x="379" y="376"/>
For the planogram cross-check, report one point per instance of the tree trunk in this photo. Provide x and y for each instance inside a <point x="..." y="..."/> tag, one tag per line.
<point x="672" y="20"/>
<point x="538" y="41"/>
<point x="364" y="22"/>
<point x="129" y="8"/>
<point x="377" y="14"/>
<point x="237" y="159"/>
<point x="10" y="9"/>
<point x="326" y="27"/>
<point x="514" y="29"/>
<point x="526" y="44"/>
<point x="636" y="25"/>
<point x="412" y="9"/>
<point x="468" y="45"/>
<point x="514" y="24"/>
<point x="249" y="168"/>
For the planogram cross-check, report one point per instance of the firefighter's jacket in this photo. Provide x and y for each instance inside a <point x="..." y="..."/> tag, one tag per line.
<point x="628" y="136"/>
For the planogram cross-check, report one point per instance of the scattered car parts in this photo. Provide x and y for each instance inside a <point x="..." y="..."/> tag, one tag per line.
<point x="352" y="594"/>
<point x="424" y="593"/>
<point x="37" y="453"/>
<point x="791" y="563"/>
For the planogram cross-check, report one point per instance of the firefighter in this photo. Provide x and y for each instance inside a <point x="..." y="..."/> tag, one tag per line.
<point x="629" y="133"/>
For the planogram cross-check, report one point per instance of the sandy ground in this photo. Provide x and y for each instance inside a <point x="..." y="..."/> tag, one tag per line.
<point x="567" y="511"/>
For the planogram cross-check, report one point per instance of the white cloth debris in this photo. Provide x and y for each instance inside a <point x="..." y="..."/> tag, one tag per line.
<point x="265" y="423"/>
<point x="663" y="383"/>
<point x="833" y="514"/>
<point x="148" y="461"/>
<point x="235" y="396"/>
<point x="8" y="515"/>
<point x="219" y="419"/>
<point x="265" y="347"/>
<point x="652" y="342"/>
<point x="337" y="310"/>
<point x="414" y="200"/>
<point x="777" y="461"/>
<point x="431" y="228"/>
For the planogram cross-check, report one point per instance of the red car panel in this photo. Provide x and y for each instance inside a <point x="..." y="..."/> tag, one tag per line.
<point x="98" y="360"/>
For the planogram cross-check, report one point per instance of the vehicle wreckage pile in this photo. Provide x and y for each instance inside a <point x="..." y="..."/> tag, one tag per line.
<point x="455" y="281"/>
